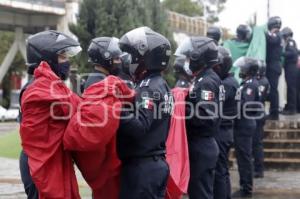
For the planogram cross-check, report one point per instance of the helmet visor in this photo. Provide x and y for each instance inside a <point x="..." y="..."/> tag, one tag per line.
<point x="114" y="48"/>
<point x="70" y="51"/>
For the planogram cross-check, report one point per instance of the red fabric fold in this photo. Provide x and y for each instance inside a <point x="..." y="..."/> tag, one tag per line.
<point x="46" y="106"/>
<point x="91" y="135"/>
<point x="177" y="148"/>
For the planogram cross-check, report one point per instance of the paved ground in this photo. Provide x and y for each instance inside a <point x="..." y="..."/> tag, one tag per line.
<point x="7" y="127"/>
<point x="276" y="185"/>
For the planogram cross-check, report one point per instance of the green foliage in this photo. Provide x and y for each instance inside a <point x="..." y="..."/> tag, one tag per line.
<point x="186" y="7"/>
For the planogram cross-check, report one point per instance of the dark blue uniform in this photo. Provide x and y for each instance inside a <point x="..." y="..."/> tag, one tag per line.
<point x="258" y="150"/>
<point x="141" y="141"/>
<point x="290" y="70"/>
<point x="244" y="129"/>
<point x="273" y="60"/>
<point x="94" y="77"/>
<point x="201" y="129"/>
<point x="29" y="186"/>
<point x="224" y="137"/>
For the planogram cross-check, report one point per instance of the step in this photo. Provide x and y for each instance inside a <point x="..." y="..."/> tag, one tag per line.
<point x="277" y="153"/>
<point x="289" y="123"/>
<point x="282" y="153"/>
<point x="282" y="134"/>
<point x="277" y="164"/>
<point x="281" y="143"/>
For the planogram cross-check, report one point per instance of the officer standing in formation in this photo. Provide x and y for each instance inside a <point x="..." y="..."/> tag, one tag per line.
<point x="202" y="122"/>
<point x="273" y="61"/>
<point x="290" y="70"/>
<point x="258" y="150"/>
<point x="105" y="55"/>
<point x="224" y="135"/>
<point x="143" y="133"/>
<point x="245" y="125"/>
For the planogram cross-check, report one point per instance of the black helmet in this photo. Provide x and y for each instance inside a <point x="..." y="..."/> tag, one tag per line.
<point x="47" y="45"/>
<point x="248" y="66"/>
<point x="200" y="52"/>
<point x="180" y="67"/>
<point x="225" y="62"/>
<point x="149" y="50"/>
<point x="274" y="22"/>
<point x="262" y="68"/>
<point x="103" y="50"/>
<point x="214" y="33"/>
<point x="244" y="32"/>
<point x="287" y="32"/>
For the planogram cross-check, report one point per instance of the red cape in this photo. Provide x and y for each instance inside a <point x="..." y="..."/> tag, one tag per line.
<point x="91" y="135"/>
<point x="177" y="148"/>
<point x="50" y="166"/>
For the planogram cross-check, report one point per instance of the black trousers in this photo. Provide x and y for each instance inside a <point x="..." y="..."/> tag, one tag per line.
<point x="203" y="154"/>
<point x="243" y="138"/>
<point x="144" y="178"/>
<point x="258" y="148"/>
<point x="273" y="77"/>
<point x="290" y="70"/>
<point x="298" y="90"/>
<point x="222" y="185"/>
<point x="30" y="188"/>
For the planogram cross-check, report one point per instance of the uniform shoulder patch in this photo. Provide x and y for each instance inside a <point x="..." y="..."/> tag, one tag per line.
<point x="291" y="43"/>
<point x="207" y="95"/>
<point x="147" y="103"/>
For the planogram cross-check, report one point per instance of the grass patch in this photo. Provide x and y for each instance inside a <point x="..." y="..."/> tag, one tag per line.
<point x="10" y="146"/>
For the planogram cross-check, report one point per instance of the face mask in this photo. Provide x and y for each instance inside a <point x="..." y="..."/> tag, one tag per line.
<point x="62" y="70"/>
<point x="116" y="68"/>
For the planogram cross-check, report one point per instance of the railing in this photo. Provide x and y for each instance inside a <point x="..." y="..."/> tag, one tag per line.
<point x="190" y="25"/>
<point x="51" y="3"/>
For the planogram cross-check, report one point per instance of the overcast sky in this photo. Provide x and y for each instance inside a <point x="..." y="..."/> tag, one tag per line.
<point x="240" y="11"/>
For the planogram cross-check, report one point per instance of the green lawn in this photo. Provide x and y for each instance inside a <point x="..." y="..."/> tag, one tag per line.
<point x="10" y="146"/>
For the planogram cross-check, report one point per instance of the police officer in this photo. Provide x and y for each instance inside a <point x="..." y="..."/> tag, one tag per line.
<point x="214" y="33"/>
<point x="290" y="70"/>
<point x="258" y="150"/>
<point x="202" y="121"/>
<point x="182" y="74"/>
<point x="245" y="124"/>
<point x="143" y="133"/>
<point x="50" y="46"/>
<point x="105" y="55"/>
<point x="273" y="59"/>
<point x="228" y="112"/>
<point x="243" y="33"/>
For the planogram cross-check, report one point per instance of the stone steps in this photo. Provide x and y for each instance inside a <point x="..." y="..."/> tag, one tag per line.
<point x="281" y="144"/>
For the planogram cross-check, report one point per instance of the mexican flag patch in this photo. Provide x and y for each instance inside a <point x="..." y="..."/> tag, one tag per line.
<point x="207" y="95"/>
<point x="147" y="103"/>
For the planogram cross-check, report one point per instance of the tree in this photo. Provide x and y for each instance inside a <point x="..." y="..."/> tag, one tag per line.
<point x="114" y="18"/>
